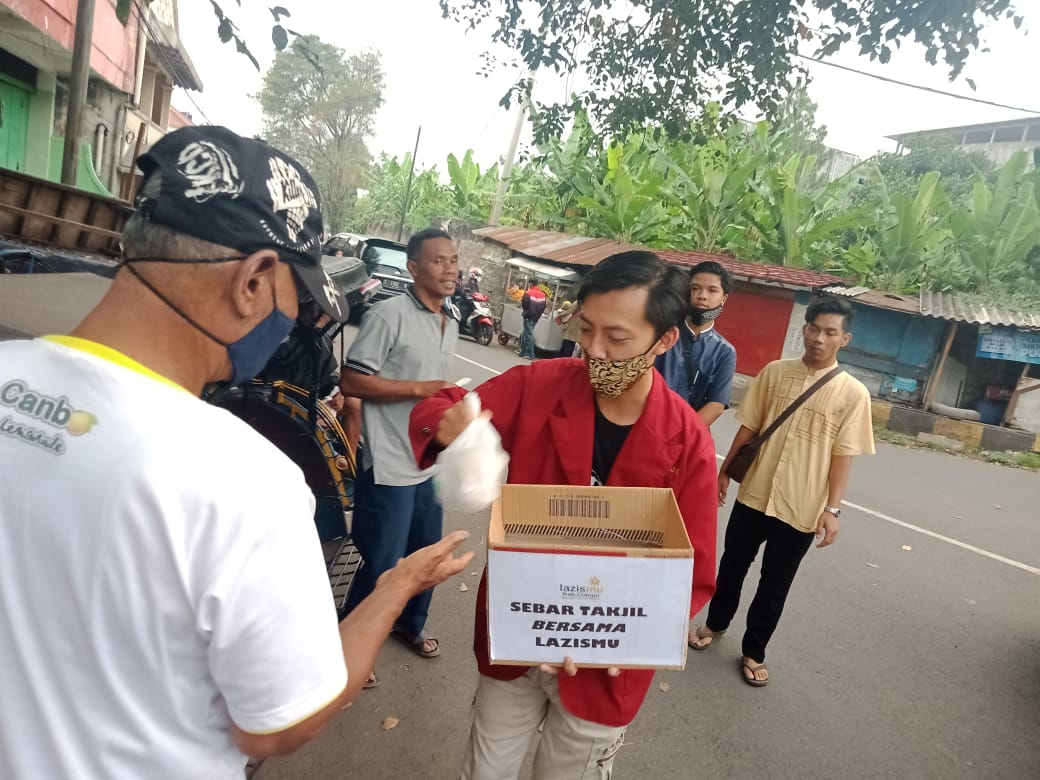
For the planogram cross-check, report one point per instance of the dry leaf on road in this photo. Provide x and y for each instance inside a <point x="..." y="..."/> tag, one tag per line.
<point x="389" y="722"/>
<point x="873" y="565"/>
<point x="665" y="687"/>
<point x="463" y="587"/>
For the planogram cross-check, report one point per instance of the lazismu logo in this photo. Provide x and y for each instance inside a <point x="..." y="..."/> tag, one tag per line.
<point x="57" y="412"/>
<point x="593" y="590"/>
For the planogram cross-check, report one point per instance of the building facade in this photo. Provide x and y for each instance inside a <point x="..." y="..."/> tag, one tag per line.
<point x="133" y="69"/>
<point x="997" y="140"/>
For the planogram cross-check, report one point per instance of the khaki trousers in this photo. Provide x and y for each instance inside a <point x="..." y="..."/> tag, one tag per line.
<point x="506" y="719"/>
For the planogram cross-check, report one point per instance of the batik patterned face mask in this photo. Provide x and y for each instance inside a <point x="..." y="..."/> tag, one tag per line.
<point x="700" y="316"/>
<point x="611" y="378"/>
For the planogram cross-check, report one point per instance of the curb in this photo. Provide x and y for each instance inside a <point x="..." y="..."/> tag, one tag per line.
<point x="971" y="435"/>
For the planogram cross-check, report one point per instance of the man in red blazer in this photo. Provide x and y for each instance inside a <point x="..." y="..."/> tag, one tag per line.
<point x="606" y="419"/>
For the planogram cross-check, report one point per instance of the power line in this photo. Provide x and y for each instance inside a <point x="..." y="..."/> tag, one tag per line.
<point x="918" y="86"/>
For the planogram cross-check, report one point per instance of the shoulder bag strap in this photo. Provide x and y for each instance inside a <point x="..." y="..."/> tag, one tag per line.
<point x="687" y="358"/>
<point x="796" y="403"/>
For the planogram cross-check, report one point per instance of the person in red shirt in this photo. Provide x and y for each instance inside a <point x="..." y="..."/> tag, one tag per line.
<point x="532" y="306"/>
<point x="606" y="419"/>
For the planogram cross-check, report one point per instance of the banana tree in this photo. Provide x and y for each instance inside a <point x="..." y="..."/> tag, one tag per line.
<point x="471" y="190"/>
<point x="533" y="199"/>
<point x="998" y="226"/>
<point x="712" y="191"/>
<point x="626" y="203"/>
<point x="793" y="214"/>
<point x="387" y="187"/>
<point x="912" y="237"/>
<point x="571" y="163"/>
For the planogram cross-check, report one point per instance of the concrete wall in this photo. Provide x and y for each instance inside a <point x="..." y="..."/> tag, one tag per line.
<point x="970" y="435"/>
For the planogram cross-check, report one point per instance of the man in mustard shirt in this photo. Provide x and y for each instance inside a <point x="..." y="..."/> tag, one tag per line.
<point x="795" y="486"/>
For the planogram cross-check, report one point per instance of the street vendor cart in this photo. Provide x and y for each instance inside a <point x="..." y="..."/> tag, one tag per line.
<point x="559" y="284"/>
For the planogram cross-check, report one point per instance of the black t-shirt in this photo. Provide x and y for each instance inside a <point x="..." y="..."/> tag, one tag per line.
<point x="607" y="440"/>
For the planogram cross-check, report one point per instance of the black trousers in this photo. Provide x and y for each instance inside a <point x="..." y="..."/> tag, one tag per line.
<point x="785" y="547"/>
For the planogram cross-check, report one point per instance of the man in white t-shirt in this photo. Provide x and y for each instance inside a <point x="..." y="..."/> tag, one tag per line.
<point x="164" y="609"/>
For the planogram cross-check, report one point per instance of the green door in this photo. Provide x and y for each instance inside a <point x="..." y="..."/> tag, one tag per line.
<point x="14" y="126"/>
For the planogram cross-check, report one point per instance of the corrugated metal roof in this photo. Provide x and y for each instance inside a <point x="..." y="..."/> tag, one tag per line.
<point x="960" y="308"/>
<point x="848" y="292"/>
<point x="558" y="247"/>
<point x="581" y="250"/>
<point x="943" y="306"/>
<point x="883" y="300"/>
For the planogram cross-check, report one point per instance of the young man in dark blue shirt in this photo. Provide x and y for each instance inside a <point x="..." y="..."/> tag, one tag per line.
<point x="700" y="366"/>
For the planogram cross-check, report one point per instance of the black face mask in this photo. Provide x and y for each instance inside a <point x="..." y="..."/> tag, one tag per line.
<point x="699" y="316"/>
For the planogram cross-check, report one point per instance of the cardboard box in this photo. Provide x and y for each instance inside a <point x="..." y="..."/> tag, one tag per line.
<point x="602" y="575"/>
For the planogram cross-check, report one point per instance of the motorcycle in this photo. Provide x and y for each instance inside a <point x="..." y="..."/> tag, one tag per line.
<point x="474" y="317"/>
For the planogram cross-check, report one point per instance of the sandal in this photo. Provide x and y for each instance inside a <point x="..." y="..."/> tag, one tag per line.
<point x="371" y="682"/>
<point x="754" y="668"/>
<point x="417" y="644"/>
<point x="701" y="633"/>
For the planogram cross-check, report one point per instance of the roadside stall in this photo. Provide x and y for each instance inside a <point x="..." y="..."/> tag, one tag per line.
<point x="559" y="285"/>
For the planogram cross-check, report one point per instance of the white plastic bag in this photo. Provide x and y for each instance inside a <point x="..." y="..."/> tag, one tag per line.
<point x="471" y="470"/>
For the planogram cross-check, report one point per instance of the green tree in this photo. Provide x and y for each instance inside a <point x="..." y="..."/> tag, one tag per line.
<point x="795" y="215"/>
<point x="319" y="104"/>
<point x="532" y="200"/>
<point x="907" y="239"/>
<point x="958" y="167"/>
<point x="571" y="163"/>
<point x="998" y="226"/>
<point x="472" y="191"/>
<point x="625" y="202"/>
<point x="657" y="60"/>
<point x="387" y="191"/>
<point x="712" y="188"/>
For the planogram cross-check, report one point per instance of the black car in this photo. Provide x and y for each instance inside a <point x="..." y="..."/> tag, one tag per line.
<point x="385" y="260"/>
<point x="352" y="278"/>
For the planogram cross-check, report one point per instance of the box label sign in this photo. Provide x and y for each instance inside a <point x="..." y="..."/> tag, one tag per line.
<point x="597" y="609"/>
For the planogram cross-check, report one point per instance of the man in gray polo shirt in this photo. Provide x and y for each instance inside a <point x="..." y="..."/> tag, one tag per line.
<point x="402" y="354"/>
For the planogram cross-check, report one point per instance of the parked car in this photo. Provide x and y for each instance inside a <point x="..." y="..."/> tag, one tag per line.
<point x="351" y="276"/>
<point x="385" y="260"/>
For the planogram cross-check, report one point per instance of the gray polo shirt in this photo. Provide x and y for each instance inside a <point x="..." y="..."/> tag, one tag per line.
<point x="399" y="339"/>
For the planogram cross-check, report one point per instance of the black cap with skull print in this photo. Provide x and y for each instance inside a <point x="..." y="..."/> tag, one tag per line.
<point x="241" y="193"/>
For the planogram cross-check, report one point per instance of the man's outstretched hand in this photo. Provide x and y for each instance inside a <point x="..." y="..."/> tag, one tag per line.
<point x="432" y="565"/>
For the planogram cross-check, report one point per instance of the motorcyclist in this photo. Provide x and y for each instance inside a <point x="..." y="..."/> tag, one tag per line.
<point x="463" y="298"/>
<point x="473" y="277"/>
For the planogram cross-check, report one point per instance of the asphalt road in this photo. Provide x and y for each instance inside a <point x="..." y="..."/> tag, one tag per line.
<point x="909" y="649"/>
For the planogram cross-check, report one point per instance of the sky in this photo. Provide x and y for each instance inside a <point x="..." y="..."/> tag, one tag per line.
<point x="432" y="79"/>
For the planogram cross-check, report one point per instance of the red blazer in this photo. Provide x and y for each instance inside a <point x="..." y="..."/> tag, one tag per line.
<point x="545" y="413"/>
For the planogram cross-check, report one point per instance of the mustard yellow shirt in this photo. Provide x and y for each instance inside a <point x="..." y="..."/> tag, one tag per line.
<point x="788" y="479"/>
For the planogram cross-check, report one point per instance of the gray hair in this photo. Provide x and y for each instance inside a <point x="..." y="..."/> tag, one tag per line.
<point x="144" y="238"/>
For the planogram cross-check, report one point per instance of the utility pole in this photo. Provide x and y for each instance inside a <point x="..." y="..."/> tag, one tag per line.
<point x="80" y="75"/>
<point x="408" y="188"/>
<point x="507" y="166"/>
